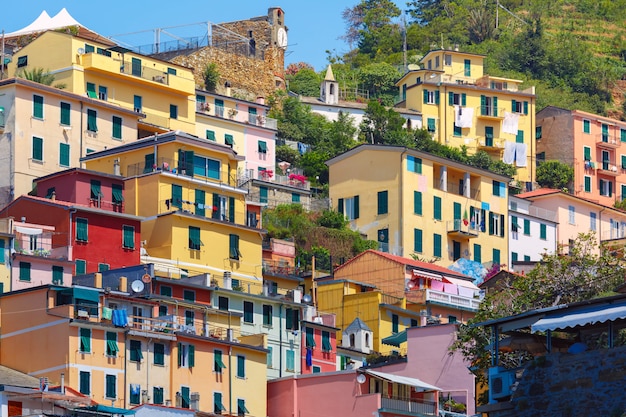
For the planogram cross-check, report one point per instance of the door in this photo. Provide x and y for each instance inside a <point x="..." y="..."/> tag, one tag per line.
<point x="456" y="250"/>
<point x="488" y="135"/>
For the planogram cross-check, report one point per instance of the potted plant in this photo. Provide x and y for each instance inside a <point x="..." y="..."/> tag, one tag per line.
<point x="232" y="113"/>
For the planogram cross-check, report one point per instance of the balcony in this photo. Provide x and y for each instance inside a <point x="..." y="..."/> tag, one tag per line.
<point x="490" y="112"/>
<point x="607" y="168"/>
<point x="453" y="188"/>
<point x="463" y="229"/>
<point x="490" y="144"/>
<point x="439" y="297"/>
<point x="413" y="408"/>
<point x="237" y="115"/>
<point x="607" y="142"/>
<point x="280" y="268"/>
<point x="542" y="213"/>
<point x="169" y="166"/>
<point x="613" y="234"/>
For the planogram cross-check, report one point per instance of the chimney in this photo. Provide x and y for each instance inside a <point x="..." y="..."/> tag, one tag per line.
<point x="207" y="279"/>
<point x="53" y="196"/>
<point x="260" y="100"/>
<point x="97" y="280"/>
<point x="62" y="383"/>
<point x="227" y="87"/>
<point x="123" y="284"/>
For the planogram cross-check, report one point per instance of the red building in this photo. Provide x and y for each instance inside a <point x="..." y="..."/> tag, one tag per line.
<point x="319" y="345"/>
<point x="86" y="209"/>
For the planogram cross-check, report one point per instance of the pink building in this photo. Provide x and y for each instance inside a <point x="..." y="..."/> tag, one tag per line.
<point x="319" y="345"/>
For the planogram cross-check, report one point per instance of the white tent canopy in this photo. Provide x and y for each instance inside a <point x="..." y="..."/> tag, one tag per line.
<point x="45" y="22"/>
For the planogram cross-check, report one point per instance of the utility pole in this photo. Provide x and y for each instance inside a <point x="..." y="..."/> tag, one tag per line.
<point x="497" y="12"/>
<point x="406" y="67"/>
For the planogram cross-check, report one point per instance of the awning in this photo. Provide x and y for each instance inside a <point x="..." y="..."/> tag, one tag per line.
<point x="108" y="410"/>
<point x="404" y="380"/>
<point x="423" y="274"/>
<point x="591" y="315"/>
<point x="82" y="294"/>
<point x="462" y="283"/>
<point x="28" y="230"/>
<point x="395" y="339"/>
<point x="262" y="146"/>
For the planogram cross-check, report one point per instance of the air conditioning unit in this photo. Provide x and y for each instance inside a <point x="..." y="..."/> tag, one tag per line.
<point x="500" y="382"/>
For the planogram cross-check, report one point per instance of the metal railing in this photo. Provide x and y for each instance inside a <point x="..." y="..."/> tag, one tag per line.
<point x="237" y="115"/>
<point x="145" y="72"/>
<point x="424" y="295"/>
<point x="414" y="407"/>
<point x="280" y="268"/>
<point x="451" y="187"/>
<point x="170" y="166"/>
<point x="542" y="213"/>
<point x="463" y="226"/>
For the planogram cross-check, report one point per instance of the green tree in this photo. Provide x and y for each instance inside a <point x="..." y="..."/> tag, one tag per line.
<point x="210" y="76"/>
<point x="554" y="174"/>
<point x="379" y="79"/>
<point x="39" y="75"/>
<point x="588" y="271"/>
<point x="381" y="125"/>
<point x="305" y="82"/>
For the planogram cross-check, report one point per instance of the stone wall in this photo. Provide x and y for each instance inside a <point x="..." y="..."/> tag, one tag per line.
<point x="572" y="385"/>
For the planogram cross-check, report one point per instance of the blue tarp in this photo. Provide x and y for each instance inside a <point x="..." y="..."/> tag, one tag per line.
<point x="473" y="269"/>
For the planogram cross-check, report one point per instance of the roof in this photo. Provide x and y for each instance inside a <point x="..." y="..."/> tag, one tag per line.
<point x="356" y="325"/>
<point x="80" y="171"/>
<point x="404" y="380"/>
<point x="538" y="192"/>
<point x="10" y="376"/>
<point x="329" y="74"/>
<point x="543" y="192"/>
<point x="408" y="262"/>
<point x="343" y="104"/>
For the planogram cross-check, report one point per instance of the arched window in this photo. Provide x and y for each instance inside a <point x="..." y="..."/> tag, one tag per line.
<point x="332" y="89"/>
<point x="367" y="340"/>
<point x="352" y="340"/>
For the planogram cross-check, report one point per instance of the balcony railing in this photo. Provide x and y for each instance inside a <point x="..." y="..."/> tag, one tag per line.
<point x="608" y="141"/>
<point x="236" y="115"/>
<point x="170" y="166"/>
<point x="462" y="227"/>
<point x="418" y="408"/>
<point x="490" y="112"/>
<point x="613" y="234"/>
<point x="145" y="72"/>
<point x="426" y="295"/>
<point x="451" y="187"/>
<point x="278" y="268"/>
<point x="490" y="143"/>
<point x="294" y="179"/>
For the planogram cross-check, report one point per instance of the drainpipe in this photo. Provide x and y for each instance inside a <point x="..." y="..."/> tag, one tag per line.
<point x="125" y="365"/>
<point x="600" y="226"/>
<point x="81" y="130"/>
<point x="401" y="201"/>
<point x="280" y="340"/>
<point x="230" y="376"/>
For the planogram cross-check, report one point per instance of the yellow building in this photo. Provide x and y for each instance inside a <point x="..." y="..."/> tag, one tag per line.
<point x="462" y="106"/>
<point x="196" y="217"/>
<point x="93" y="66"/>
<point x="413" y="202"/>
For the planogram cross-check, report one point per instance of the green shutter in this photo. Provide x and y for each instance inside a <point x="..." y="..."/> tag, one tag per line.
<point x="117" y="127"/>
<point x="129" y="237"/>
<point x="117" y="192"/>
<point x="241" y="366"/>
<point x="85" y="340"/>
<point x="159" y="354"/>
<point x="91" y="90"/>
<point x="110" y="387"/>
<point x="24" y="271"/>
<point x="85" y="382"/>
<point x="233" y="249"/>
<point x="96" y="189"/>
<point x="177" y="196"/>
<point x="437" y="208"/>
<point x="210" y="135"/>
<point x="417" y="240"/>
<point x="288" y="319"/>
<point x="149" y="163"/>
<point x="191" y="356"/>
<point x="228" y="139"/>
<point x="588" y="184"/>
<point x="622" y="135"/>
<point x="218" y="407"/>
<point x="586" y="126"/>
<point x="543" y="232"/>
<point x="92" y="117"/>
<point x="496" y="256"/>
<point x="38" y="106"/>
<point x="483" y="105"/>
<point x="180" y="354"/>
<point x="157" y="394"/>
<point x="231" y="209"/>
<point x="189" y="156"/>
<point x="450" y="98"/>
<point x="37" y="149"/>
<point x="262" y="147"/>
<point x="436" y="96"/>
<point x="383" y="197"/>
<point x="2" y="245"/>
<point x="417" y="202"/>
<point x="184" y="393"/>
<point x="457" y="211"/>
<point x="65" y="114"/>
<point x="340" y="205"/>
<point x="437" y="245"/>
<point x="64" y="154"/>
<point x="81" y="267"/>
<point x="587" y="153"/>
<point x="263" y="192"/>
<point x="525" y="107"/>
<point x="467" y="68"/>
<point x="431" y="125"/>
<point x="194" y="238"/>
<point x="526" y="227"/>
<point x="290" y="361"/>
<point x="514" y="256"/>
<point x="310" y="339"/>
<point x="520" y="136"/>
<point x="425" y="96"/>
<point x="356" y="206"/>
<point x="463" y="99"/>
<point x="477" y="254"/>
<point x="513" y="106"/>
<point x="57" y="275"/>
<point x="495" y="106"/>
<point x="82" y="230"/>
<point x="200" y="202"/>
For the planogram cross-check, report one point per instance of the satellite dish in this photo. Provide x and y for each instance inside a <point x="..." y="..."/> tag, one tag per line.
<point x="306" y="298"/>
<point x="137" y="286"/>
<point x="411" y="285"/>
<point x="360" y="378"/>
<point x="80" y="51"/>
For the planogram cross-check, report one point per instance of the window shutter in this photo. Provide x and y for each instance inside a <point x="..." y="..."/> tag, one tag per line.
<point x="477" y="254"/>
<point x="437" y="245"/>
<point x="417" y="202"/>
<point x="417" y="240"/>
<point x="483" y="105"/>
<point x="495" y="106"/>
<point x="231" y="209"/>
<point x="437" y="97"/>
<point x="457" y="211"/>
<point x="216" y="205"/>
<point x="463" y="99"/>
<point x="189" y="163"/>
<point x="513" y="106"/>
<point x="437" y="208"/>
<point x="288" y="319"/>
<point x="491" y="224"/>
<point x="191" y="356"/>
<point x="180" y="354"/>
<point x="525" y="107"/>
<point x="356" y="206"/>
<point x="425" y="96"/>
<point x="149" y="163"/>
<point x="450" y="98"/>
<point x="502" y="227"/>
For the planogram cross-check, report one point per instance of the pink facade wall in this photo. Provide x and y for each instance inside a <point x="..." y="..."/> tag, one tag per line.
<point x="254" y="158"/>
<point x="326" y="361"/>
<point x="337" y="394"/>
<point x="40" y="272"/>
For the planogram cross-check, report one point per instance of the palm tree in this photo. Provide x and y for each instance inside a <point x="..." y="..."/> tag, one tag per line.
<point x="39" y="75"/>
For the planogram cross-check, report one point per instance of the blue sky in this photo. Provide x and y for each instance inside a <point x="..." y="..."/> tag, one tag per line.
<point x="314" y="27"/>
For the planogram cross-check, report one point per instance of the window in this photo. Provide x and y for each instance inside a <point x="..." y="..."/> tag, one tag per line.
<point x="447" y="59"/>
<point x="622" y="135"/>
<point x="38" y="106"/>
<point x="186" y="355"/>
<point x="437" y="208"/>
<point x="233" y="248"/>
<point x="104" y="52"/>
<point x="572" y="214"/>
<point x="543" y="231"/>
<point x="489" y="106"/>
<point x="587" y="153"/>
<point x="22" y="61"/>
<point x="514" y="256"/>
<point x="57" y="275"/>
<point x="382" y="235"/>
<point x="526" y="258"/>
<point x="128" y="237"/>
<point x="467" y="68"/>
<point x="64" y="154"/>
<point x="159" y="354"/>
<point x="499" y="188"/>
<point x="210" y="135"/>
<point x="587" y="184"/>
<point x="270" y="358"/>
<point x="89" y="48"/>
<point x="326" y="346"/>
<point x="457" y="99"/>
<point x="96" y="190"/>
<point x="92" y="117"/>
<point x="295" y="197"/>
<point x="91" y="90"/>
<point x="414" y="164"/>
<point x="383" y="200"/>
<point x="520" y="107"/>
<point x="496" y="256"/>
<point x="592" y="221"/>
<point x="136" y="67"/>
<point x="85" y="383"/>
<point x="157" y="395"/>
<point x="138" y="104"/>
<point x="194" y="238"/>
<point x="24" y="271"/>
<point x="222" y="303"/>
<point x="477" y="253"/>
<point x="316" y="369"/>
<point x="228" y="139"/>
<point x="110" y="389"/>
<point x="117" y="194"/>
<point x="437" y="245"/>
<point x="218" y="364"/>
<point x="451" y="319"/>
<point x="351" y="207"/>
<point x="81" y="267"/>
<point x="189" y="318"/>
<point x="606" y="188"/>
<point x="117" y="127"/>
<point x="267" y="315"/>
<point x="111" y="344"/>
<point x="431" y="125"/>
<point x="218" y="407"/>
<point x="520" y="136"/>
<point x="417" y="240"/>
<point x="417" y="203"/>
<point x="310" y="337"/>
<point x="241" y="366"/>
<point x="262" y="147"/>
<point x="102" y="92"/>
<point x="431" y="97"/>
<point x="189" y="295"/>
<point x="538" y="132"/>
<point x="437" y="62"/>
<point x="527" y="227"/>
<point x="173" y="111"/>
<point x="103" y="267"/>
<point x="241" y="407"/>
<point x="292" y="319"/>
<point x="135" y="351"/>
<point x="248" y="312"/>
<point x="458" y="131"/>
<point x="206" y="167"/>
<point x="496" y="224"/>
<point x="394" y="323"/>
<point x="37" y="154"/>
<point x="85" y="340"/>
<point x="586" y="126"/>
<point x="290" y="361"/>
<point x="65" y="114"/>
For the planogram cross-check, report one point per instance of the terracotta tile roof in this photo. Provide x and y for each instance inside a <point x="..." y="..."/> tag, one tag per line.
<point x="538" y="192"/>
